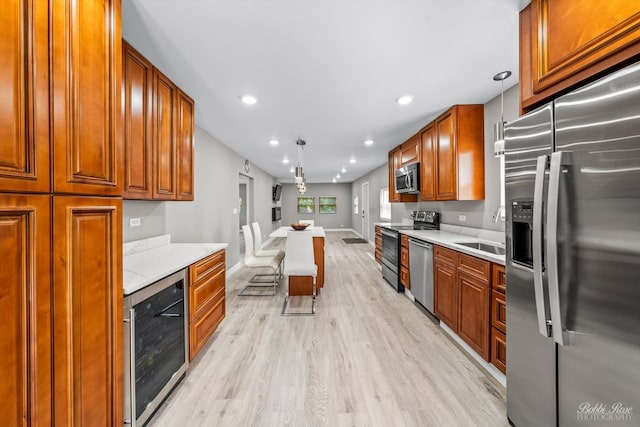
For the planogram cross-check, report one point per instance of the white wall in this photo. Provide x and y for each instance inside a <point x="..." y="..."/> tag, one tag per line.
<point x="478" y="213"/>
<point x="210" y="217"/>
<point x="377" y="179"/>
<point x="342" y="192"/>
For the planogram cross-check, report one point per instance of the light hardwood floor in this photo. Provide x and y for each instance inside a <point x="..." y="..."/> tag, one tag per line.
<point x="369" y="357"/>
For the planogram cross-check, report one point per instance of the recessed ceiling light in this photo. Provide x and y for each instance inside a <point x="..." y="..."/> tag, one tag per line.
<point x="353" y="160"/>
<point x="285" y="161"/>
<point x="334" y="180"/>
<point x="292" y="169"/>
<point x="338" y="176"/>
<point x="404" y="99"/>
<point x="274" y="142"/>
<point x="368" y="142"/>
<point x="343" y="170"/>
<point x="249" y="99"/>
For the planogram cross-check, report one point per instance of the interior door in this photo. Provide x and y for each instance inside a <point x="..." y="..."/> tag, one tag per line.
<point x="365" y="211"/>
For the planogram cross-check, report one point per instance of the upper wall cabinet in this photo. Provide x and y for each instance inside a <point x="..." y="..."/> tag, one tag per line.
<point x="159" y="133"/>
<point x="428" y="163"/>
<point x="459" y="153"/>
<point x="556" y="56"/>
<point x="136" y="91"/>
<point x="395" y="162"/>
<point x="86" y="79"/>
<point x="24" y="106"/>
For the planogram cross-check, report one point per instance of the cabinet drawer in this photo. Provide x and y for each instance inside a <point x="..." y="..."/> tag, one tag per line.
<point x="499" y="278"/>
<point x="379" y="255"/>
<point x="404" y="240"/>
<point x="378" y="230"/>
<point x="201" y="329"/>
<point x="404" y="256"/>
<point x="206" y="266"/>
<point x="499" y="350"/>
<point x="445" y="255"/>
<point x="499" y="311"/>
<point x="404" y="277"/>
<point x="378" y="241"/>
<point x="203" y="291"/>
<point x="474" y="266"/>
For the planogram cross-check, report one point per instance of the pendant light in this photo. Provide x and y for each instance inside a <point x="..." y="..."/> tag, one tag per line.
<point x="498" y="128"/>
<point x="299" y="179"/>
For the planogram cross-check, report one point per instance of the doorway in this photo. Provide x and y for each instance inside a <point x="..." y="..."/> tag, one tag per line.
<point x="365" y="211"/>
<point x="244" y="207"/>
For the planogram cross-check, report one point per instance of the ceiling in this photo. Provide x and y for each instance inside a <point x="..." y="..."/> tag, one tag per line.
<point x="327" y="71"/>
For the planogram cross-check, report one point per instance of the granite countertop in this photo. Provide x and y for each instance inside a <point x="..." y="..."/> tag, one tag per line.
<point x="448" y="239"/>
<point x="147" y="261"/>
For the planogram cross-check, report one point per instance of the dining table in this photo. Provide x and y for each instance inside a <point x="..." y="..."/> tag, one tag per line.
<point x="303" y="285"/>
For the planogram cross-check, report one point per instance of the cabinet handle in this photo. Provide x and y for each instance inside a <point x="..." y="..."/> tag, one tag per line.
<point x="538" y="287"/>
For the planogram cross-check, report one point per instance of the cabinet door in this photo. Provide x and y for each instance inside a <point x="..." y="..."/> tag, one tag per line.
<point x="164" y="137"/>
<point x="445" y="147"/>
<point x="428" y="164"/>
<point x="25" y="304"/>
<point x="185" y="132"/>
<point x="137" y="93"/>
<point x="473" y="313"/>
<point x="393" y="195"/>
<point x="499" y="350"/>
<point x="446" y="294"/>
<point x="87" y="311"/>
<point x="86" y="87"/>
<point x="410" y="151"/>
<point x="24" y="106"/>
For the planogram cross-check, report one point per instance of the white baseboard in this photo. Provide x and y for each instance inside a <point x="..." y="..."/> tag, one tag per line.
<point x="233" y="270"/>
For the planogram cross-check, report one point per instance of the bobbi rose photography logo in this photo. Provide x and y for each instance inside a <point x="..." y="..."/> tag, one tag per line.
<point x="601" y="412"/>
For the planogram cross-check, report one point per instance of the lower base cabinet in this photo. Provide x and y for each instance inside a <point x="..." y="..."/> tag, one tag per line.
<point x="473" y="317"/>
<point x="207" y="288"/>
<point x="378" y="253"/>
<point x="499" y="350"/>
<point x="445" y="294"/>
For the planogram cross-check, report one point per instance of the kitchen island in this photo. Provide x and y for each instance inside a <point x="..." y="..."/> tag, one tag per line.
<point x="301" y="285"/>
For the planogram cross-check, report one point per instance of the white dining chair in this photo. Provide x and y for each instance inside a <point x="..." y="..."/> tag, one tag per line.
<point x="257" y="242"/>
<point x="300" y="262"/>
<point x="306" y="221"/>
<point x="251" y="261"/>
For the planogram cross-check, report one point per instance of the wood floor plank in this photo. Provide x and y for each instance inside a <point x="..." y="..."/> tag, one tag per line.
<point x="369" y="357"/>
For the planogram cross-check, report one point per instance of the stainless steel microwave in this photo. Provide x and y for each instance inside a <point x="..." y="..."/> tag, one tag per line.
<point x="408" y="179"/>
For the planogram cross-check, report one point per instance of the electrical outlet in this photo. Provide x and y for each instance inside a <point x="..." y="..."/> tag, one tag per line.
<point x="235" y="211"/>
<point x="134" y="222"/>
<point x="462" y="217"/>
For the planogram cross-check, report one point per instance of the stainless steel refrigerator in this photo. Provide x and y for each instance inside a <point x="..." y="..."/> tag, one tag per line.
<point x="572" y="186"/>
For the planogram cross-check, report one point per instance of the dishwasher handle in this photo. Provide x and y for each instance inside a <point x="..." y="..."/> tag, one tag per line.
<point x="420" y="243"/>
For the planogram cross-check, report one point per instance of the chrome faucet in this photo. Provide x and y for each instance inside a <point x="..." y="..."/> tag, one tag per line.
<point x="499" y="214"/>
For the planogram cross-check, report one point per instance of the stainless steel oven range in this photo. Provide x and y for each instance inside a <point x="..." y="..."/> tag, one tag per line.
<point x="422" y="220"/>
<point x="156" y="345"/>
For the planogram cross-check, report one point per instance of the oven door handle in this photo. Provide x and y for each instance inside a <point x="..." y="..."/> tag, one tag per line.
<point x="163" y="312"/>
<point x="390" y="233"/>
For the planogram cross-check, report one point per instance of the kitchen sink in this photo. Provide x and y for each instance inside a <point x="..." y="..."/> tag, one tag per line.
<point x="485" y="247"/>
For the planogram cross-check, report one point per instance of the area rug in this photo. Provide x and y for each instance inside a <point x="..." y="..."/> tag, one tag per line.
<point x="350" y="240"/>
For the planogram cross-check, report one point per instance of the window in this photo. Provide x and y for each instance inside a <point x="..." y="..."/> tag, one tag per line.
<point x="306" y="204"/>
<point x="385" y="206"/>
<point x="327" y="205"/>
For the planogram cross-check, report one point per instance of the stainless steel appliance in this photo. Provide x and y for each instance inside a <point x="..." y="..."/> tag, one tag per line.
<point x="421" y="267"/>
<point x="573" y="258"/>
<point x="422" y="220"/>
<point x="156" y="345"/>
<point x="408" y="179"/>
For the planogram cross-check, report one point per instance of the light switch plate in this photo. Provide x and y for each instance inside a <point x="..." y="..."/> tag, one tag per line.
<point x="462" y="217"/>
<point x="134" y="222"/>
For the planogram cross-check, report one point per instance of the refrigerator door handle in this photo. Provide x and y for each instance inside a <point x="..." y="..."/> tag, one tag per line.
<point x="558" y="160"/>
<point x="538" y="287"/>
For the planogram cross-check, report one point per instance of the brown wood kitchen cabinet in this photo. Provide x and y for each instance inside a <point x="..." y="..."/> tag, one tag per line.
<point x="459" y="153"/>
<point x="86" y="79"/>
<point x="462" y="296"/>
<point x="405" y="277"/>
<point x="378" y="254"/>
<point x="498" y="317"/>
<point x="25" y="303"/>
<point x="159" y="135"/>
<point x="24" y="114"/>
<point x="61" y="250"/>
<point x="207" y="300"/>
<point x="395" y="162"/>
<point x="555" y="57"/>
<point x="138" y="108"/>
<point x="87" y="311"/>
<point x="428" y="163"/>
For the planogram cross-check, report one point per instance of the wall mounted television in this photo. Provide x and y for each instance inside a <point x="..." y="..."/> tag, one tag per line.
<point x="277" y="190"/>
<point x="276" y="213"/>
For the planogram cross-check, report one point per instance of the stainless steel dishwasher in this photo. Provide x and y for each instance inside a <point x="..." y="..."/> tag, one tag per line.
<point x="421" y="268"/>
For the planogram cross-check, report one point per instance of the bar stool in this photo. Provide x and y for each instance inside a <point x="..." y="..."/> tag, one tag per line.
<point x="300" y="262"/>
<point x="251" y="261"/>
